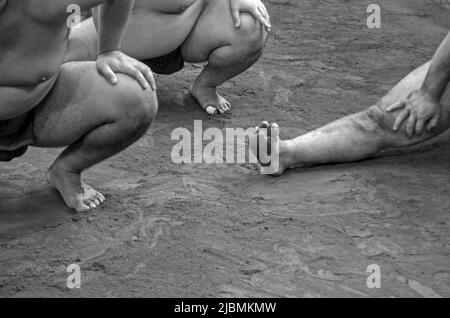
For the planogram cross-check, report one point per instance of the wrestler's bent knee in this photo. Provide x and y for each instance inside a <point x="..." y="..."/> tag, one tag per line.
<point x="135" y="105"/>
<point x="252" y="32"/>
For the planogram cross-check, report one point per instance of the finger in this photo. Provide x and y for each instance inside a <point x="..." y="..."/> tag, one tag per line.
<point x="236" y="18"/>
<point x="419" y="126"/>
<point x="400" y="119"/>
<point x="396" y="106"/>
<point x="432" y="124"/>
<point x="264" y="17"/>
<point x="148" y="74"/>
<point x="261" y="19"/>
<point x="264" y="13"/>
<point x="265" y="10"/>
<point x="136" y="74"/>
<point x="410" y="125"/>
<point x="108" y="73"/>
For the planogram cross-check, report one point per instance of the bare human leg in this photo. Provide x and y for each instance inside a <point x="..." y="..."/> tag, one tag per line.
<point x="229" y="51"/>
<point x="96" y="120"/>
<point x="361" y="135"/>
<point x="214" y="38"/>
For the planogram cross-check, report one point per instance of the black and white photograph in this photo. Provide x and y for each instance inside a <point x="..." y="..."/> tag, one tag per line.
<point x="229" y="155"/>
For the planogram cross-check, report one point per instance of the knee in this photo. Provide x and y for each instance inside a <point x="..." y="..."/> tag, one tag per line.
<point x="252" y="33"/>
<point x="372" y="122"/>
<point x="136" y="107"/>
<point x="380" y="123"/>
<point x="375" y="118"/>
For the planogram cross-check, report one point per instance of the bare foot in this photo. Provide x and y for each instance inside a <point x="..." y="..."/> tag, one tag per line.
<point x="76" y="194"/>
<point x="279" y="149"/>
<point x="210" y="101"/>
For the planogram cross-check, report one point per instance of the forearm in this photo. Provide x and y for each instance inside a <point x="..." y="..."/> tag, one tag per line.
<point x="438" y="75"/>
<point x="113" y="18"/>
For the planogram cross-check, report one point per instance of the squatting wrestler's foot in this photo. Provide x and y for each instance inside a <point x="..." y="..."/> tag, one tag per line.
<point x="76" y="194"/>
<point x="210" y="101"/>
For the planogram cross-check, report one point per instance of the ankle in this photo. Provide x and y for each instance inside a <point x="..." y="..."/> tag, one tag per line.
<point x="59" y="166"/>
<point x="287" y="153"/>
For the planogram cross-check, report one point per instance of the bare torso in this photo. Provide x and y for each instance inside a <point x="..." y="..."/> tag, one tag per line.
<point x="31" y="51"/>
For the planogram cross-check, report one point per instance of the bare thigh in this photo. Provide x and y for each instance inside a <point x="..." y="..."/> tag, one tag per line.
<point x="410" y="83"/>
<point x="81" y="101"/>
<point x="214" y="29"/>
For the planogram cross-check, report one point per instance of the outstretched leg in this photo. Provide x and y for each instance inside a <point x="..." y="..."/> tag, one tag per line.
<point x="96" y="120"/>
<point x="229" y="51"/>
<point x="361" y="135"/>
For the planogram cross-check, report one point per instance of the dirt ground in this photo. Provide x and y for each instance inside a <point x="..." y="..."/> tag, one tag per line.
<point x="225" y="231"/>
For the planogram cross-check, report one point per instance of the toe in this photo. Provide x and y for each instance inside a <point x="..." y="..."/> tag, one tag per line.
<point x="90" y="203"/>
<point x="227" y="107"/>
<point x="102" y="198"/>
<point x="221" y="108"/>
<point x="211" y="110"/>
<point x="82" y="207"/>
<point x="99" y="197"/>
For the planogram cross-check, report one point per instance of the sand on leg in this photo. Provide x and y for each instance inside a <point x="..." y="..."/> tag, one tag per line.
<point x="96" y="120"/>
<point x="362" y="135"/>
<point x="229" y="51"/>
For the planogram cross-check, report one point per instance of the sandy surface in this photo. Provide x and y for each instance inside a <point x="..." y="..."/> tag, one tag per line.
<point x="203" y="230"/>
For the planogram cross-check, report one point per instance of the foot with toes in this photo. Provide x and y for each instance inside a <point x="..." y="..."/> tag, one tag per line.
<point x="273" y="154"/>
<point x="209" y="100"/>
<point x="76" y="194"/>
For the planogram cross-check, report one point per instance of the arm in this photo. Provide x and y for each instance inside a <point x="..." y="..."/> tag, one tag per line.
<point x="423" y="108"/>
<point x="113" y="19"/>
<point x="438" y="75"/>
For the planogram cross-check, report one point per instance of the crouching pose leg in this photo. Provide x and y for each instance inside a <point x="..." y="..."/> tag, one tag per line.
<point x="92" y="108"/>
<point x="229" y="35"/>
<point x="229" y="50"/>
<point x="95" y="120"/>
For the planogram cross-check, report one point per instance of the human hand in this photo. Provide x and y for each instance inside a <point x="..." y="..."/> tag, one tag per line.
<point x="419" y="111"/>
<point x="111" y="63"/>
<point x="254" y="7"/>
